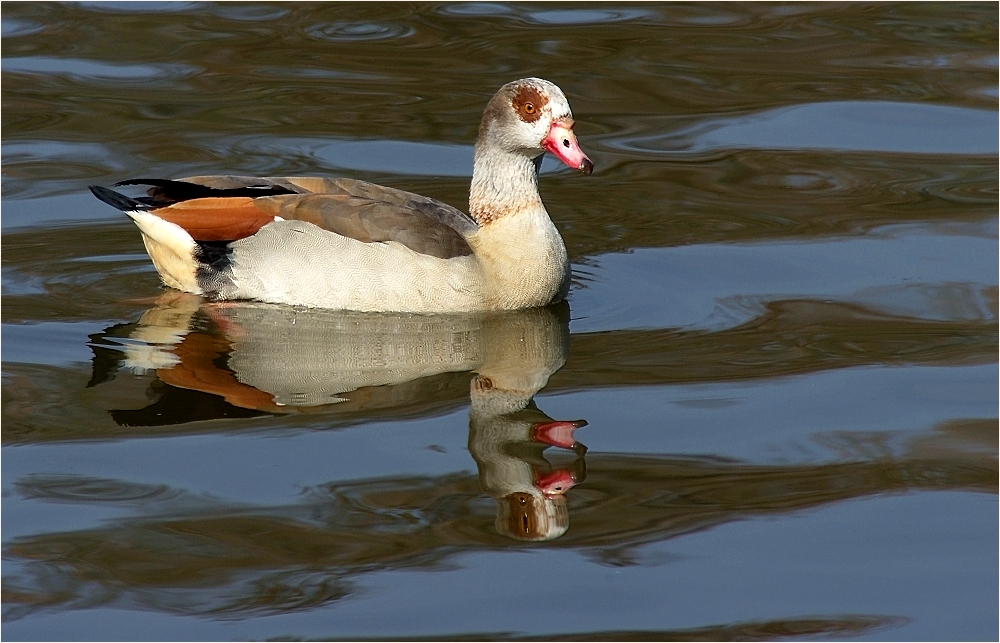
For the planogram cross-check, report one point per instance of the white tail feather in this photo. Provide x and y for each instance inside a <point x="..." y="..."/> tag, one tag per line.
<point x="172" y="250"/>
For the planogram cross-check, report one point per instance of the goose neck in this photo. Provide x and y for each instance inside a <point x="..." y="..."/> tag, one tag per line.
<point x="503" y="183"/>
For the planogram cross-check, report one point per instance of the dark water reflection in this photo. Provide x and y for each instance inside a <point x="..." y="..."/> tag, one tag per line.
<point x="782" y="332"/>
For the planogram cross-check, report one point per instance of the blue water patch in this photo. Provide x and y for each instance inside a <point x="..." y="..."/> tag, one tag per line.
<point x="588" y="16"/>
<point x="549" y="16"/>
<point x="51" y="343"/>
<point x="398" y="157"/>
<point x="925" y="273"/>
<point x="94" y="69"/>
<point x="48" y="150"/>
<point x="55" y="210"/>
<point x="858" y="126"/>
<point x="833" y="415"/>
<point x="12" y="27"/>
<point x="147" y="6"/>
<point x="19" y="284"/>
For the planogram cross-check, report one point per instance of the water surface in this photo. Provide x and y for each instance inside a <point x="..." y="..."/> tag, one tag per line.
<point x="781" y="337"/>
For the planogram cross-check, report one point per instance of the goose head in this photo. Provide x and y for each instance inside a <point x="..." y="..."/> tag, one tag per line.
<point x="529" y="117"/>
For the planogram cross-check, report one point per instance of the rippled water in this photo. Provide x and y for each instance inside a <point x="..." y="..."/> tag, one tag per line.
<point x="782" y="334"/>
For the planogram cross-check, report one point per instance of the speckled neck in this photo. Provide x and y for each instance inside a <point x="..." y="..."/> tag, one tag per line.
<point x="503" y="183"/>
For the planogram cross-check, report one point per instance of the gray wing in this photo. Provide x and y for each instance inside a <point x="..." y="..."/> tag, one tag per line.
<point x="362" y="211"/>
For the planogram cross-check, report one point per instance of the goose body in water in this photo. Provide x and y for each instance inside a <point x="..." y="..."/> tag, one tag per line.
<point x="348" y="244"/>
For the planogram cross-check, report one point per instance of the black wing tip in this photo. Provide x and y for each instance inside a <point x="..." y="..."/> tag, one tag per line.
<point x="116" y="200"/>
<point x="168" y="191"/>
<point x="159" y="183"/>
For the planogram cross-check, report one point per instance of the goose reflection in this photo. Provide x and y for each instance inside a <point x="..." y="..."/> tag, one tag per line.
<point x="239" y="359"/>
<point x="507" y="435"/>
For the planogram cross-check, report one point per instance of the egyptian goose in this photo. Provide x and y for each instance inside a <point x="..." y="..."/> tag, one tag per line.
<point x="348" y="244"/>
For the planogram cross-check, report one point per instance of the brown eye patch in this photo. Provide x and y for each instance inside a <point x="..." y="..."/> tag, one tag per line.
<point x="528" y="103"/>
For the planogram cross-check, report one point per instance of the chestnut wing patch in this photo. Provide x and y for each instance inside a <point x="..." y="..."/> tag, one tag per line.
<point x="217" y="218"/>
<point x="213" y="218"/>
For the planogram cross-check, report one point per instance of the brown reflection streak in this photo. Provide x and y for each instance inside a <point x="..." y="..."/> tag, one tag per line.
<point x="521" y="519"/>
<point x="844" y="626"/>
<point x="197" y="372"/>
